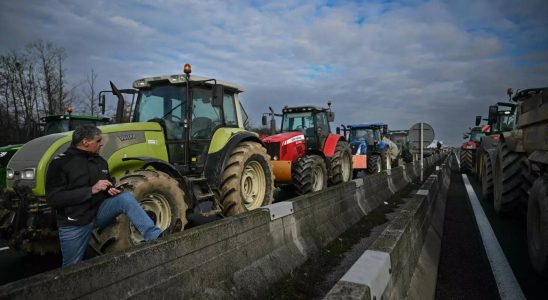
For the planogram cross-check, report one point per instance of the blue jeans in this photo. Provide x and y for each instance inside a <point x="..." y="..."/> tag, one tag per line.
<point x="74" y="239"/>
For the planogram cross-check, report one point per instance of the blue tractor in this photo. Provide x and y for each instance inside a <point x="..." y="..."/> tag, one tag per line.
<point x="371" y="150"/>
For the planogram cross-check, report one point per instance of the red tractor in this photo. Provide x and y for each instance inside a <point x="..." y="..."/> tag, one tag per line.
<point x="469" y="148"/>
<point x="306" y="154"/>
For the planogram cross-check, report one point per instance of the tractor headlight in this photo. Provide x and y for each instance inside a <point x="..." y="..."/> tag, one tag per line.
<point x="28" y="174"/>
<point x="9" y="173"/>
<point x="275" y="157"/>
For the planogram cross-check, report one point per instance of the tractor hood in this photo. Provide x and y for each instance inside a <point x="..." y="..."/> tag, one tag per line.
<point x="286" y="137"/>
<point x="29" y="165"/>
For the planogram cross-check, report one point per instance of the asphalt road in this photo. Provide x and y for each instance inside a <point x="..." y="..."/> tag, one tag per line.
<point x="464" y="271"/>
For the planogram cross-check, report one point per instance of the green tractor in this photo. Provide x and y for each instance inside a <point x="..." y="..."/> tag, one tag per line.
<point x="186" y="144"/>
<point x="53" y="124"/>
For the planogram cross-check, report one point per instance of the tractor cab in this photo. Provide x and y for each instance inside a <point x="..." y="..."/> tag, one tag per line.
<point x="366" y="136"/>
<point x="190" y="109"/>
<point x="312" y="121"/>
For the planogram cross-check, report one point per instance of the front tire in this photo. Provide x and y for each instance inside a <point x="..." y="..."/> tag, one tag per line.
<point x="537" y="225"/>
<point x="161" y="198"/>
<point x="247" y="181"/>
<point x="487" y="177"/>
<point x="341" y="164"/>
<point x="466" y="160"/>
<point x="309" y="174"/>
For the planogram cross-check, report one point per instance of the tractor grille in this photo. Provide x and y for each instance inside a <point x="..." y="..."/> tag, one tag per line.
<point x="273" y="149"/>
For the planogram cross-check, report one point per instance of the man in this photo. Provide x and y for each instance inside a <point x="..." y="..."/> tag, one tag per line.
<point x="79" y="187"/>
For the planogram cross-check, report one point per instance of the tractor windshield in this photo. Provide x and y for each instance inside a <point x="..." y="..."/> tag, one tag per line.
<point x="363" y="134"/>
<point x="298" y="122"/>
<point x="505" y="123"/>
<point x="476" y="136"/>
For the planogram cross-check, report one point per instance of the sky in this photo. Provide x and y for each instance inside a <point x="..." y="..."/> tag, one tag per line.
<point x="396" y="62"/>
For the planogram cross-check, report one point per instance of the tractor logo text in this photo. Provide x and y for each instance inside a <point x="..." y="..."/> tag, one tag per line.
<point x="294" y="139"/>
<point x="126" y="137"/>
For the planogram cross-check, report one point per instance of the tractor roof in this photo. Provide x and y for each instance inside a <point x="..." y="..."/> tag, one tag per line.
<point x="364" y="126"/>
<point x="75" y="117"/>
<point x="179" y="79"/>
<point x="527" y="92"/>
<point x="402" y="132"/>
<point x="310" y="108"/>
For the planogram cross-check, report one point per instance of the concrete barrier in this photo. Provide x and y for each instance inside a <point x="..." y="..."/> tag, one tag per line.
<point x="397" y="178"/>
<point x="388" y="269"/>
<point x="236" y="257"/>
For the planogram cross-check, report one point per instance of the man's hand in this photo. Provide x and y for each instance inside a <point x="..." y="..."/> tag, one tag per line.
<point x="113" y="191"/>
<point x="101" y="185"/>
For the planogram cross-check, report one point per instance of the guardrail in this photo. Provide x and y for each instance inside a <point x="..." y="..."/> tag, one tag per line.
<point x="235" y="257"/>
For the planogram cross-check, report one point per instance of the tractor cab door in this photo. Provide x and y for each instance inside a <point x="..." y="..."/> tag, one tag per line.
<point x="322" y="128"/>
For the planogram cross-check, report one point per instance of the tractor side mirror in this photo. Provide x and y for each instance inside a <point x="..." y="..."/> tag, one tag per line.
<point x="330" y="116"/>
<point x="102" y="103"/>
<point x="264" y="120"/>
<point x="218" y="95"/>
<point x="338" y="130"/>
<point x="493" y="112"/>
<point x="465" y="136"/>
<point x="478" y="120"/>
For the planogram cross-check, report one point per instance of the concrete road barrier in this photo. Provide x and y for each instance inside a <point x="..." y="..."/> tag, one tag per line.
<point x="397" y="178"/>
<point x="235" y="257"/>
<point x="394" y="266"/>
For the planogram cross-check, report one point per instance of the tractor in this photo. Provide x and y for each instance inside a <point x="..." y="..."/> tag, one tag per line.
<point x="399" y="137"/>
<point x="469" y="148"/>
<point x="185" y="145"/>
<point x="371" y="149"/>
<point x="305" y="154"/>
<point x="520" y="171"/>
<point x="501" y="119"/>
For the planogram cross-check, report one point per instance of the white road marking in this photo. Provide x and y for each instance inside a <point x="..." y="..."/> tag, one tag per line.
<point x="4" y="248"/>
<point x="506" y="281"/>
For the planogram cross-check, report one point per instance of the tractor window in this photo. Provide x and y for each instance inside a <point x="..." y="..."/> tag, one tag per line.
<point x="476" y="136"/>
<point x="205" y="117"/>
<point x="229" y="110"/>
<point x="298" y="122"/>
<point x="362" y="134"/>
<point x="57" y="126"/>
<point x="163" y="102"/>
<point x="323" y="125"/>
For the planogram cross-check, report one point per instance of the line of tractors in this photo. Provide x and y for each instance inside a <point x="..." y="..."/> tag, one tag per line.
<point x="182" y="142"/>
<point x="509" y="157"/>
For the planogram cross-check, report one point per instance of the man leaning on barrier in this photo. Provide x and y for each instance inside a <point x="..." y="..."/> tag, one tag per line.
<point x="79" y="187"/>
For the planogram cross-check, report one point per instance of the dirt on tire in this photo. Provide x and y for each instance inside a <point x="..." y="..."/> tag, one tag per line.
<point x="246" y="158"/>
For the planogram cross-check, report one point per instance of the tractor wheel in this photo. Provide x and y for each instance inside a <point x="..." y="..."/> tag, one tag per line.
<point x="341" y="164"/>
<point x="537" y="225"/>
<point x="161" y="198"/>
<point x="466" y="158"/>
<point x="511" y="179"/>
<point x="487" y="176"/>
<point x="478" y="163"/>
<point x="247" y="181"/>
<point x="374" y="164"/>
<point x="309" y="174"/>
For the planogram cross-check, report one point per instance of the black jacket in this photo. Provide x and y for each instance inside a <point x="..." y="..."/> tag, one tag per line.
<point x="69" y="179"/>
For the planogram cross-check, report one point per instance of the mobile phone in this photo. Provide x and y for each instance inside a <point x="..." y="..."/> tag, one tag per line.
<point x="120" y="186"/>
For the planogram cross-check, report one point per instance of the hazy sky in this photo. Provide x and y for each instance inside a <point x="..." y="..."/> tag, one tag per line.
<point x="398" y="62"/>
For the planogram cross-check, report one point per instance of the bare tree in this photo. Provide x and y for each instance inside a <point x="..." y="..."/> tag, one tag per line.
<point x="91" y="92"/>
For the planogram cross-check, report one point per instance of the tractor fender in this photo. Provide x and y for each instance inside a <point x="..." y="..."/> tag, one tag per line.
<point x="331" y="144"/>
<point x="157" y="164"/>
<point x="216" y="162"/>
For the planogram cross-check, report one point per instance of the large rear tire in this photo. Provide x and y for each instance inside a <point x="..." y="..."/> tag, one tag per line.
<point x="309" y="174"/>
<point x="487" y="176"/>
<point x="247" y="181"/>
<point x="374" y="164"/>
<point x="511" y="180"/>
<point x="466" y="161"/>
<point x="161" y="198"/>
<point x="341" y="164"/>
<point x="537" y="225"/>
